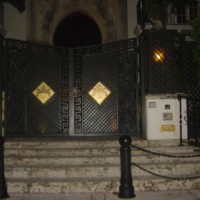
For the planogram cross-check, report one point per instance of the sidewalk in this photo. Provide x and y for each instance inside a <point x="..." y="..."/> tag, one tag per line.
<point x="161" y="195"/>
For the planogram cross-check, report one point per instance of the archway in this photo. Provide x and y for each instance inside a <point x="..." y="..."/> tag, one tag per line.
<point x="77" y="30"/>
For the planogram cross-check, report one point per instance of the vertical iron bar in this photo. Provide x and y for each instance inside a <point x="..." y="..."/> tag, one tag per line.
<point x="71" y="88"/>
<point x="180" y="118"/>
<point x="126" y="189"/>
<point x="3" y="187"/>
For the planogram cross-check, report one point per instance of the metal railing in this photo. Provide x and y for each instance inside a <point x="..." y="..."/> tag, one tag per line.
<point x="176" y="15"/>
<point x="193" y="106"/>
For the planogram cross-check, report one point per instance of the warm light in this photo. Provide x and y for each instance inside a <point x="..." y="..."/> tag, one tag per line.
<point x="158" y="55"/>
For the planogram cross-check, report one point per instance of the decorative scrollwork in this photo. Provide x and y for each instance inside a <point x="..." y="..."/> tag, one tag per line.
<point x="112" y="65"/>
<point x="99" y="64"/>
<point x="28" y="65"/>
<point x="193" y="91"/>
<point x="15" y="88"/>
<point x="127" y="84"/>
<point x="65" y="93"/>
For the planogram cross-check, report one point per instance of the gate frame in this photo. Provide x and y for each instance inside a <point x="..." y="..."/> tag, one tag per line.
<point x="124" y="44"/>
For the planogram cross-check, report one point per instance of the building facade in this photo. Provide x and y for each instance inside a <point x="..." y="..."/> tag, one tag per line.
<point x="156" y="113"/>
<point x="40" y="19"/>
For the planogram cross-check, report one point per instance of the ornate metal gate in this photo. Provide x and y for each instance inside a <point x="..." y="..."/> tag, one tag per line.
<point x="193" y="90"/>
<point x="56" y="91"/>
<point x="35" y="73"/>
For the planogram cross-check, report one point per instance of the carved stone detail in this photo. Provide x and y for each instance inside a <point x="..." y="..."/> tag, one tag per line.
<point x="45" y="16"/>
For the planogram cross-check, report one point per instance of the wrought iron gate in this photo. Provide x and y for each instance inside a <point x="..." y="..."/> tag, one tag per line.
<point x="57" y="91"/>
<point x="193" y="89"/>
<point x="1" y="77"/>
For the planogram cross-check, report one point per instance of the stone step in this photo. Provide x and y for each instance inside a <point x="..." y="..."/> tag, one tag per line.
<point x="66" y="143"/>
<point x="88" y="184"/>
<point x="168" y="169"/>
<point x="107" y="151"/>
<point x="61" y="161"/>
<point x="98" y="159"/>
<point x="56" y="171"/>
<point x="152" y="183"/>
<point x="61" y="152"/>
<point x="150" y="158"/>
<point x="166" y="149"/>
<point x="63" y="144"/>
<point x="94" y="166"/>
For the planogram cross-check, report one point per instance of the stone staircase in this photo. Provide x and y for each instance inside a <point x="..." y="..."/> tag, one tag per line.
<point x="62" y="166"/>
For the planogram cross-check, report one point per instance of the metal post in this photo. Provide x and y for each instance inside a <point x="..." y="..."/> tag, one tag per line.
<point x="126" y="189"/>
<point x="180" y="118"/>
<point x="3" y="187"/>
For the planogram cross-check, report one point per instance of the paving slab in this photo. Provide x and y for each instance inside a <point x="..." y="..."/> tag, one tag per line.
<point x="151" y="195"/>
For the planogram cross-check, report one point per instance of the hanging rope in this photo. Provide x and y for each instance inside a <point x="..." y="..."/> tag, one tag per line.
<point x="165" y="155"/>
<point x="163" y="176"/>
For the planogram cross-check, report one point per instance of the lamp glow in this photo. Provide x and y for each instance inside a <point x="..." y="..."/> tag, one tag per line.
<point x="158" y="55"/>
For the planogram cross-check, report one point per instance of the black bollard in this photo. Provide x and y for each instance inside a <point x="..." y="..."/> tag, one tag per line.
<point x="3" y="187"/>
<point x="126" y="189"/>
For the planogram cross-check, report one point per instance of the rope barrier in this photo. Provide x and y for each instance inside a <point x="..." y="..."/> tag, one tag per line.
<point x="165" y="155"/>
<point x="163" y="176"/>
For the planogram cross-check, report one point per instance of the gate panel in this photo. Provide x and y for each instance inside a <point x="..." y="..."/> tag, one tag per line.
<point x="43" y="100"/>
<point x="1" y="86"/>
<point x="113" y="66"/>
<point x="15" y="87"/>
<point x="193" y="90"/>
<point x="48" y="65"/>
<point x="99" y="118"/>
<point x="36" y="72"/>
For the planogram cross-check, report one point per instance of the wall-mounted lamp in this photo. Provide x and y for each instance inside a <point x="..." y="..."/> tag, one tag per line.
<point x="158" y="55"/>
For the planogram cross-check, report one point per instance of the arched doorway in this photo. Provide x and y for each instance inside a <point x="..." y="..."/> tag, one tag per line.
<point x="77" y="30"/>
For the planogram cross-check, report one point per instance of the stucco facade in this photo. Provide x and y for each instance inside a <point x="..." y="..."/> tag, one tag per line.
<point x="116" y="19"/>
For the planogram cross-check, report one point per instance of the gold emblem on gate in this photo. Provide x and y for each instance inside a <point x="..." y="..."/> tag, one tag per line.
<point x="43" y="92"/>
<point x="99" y="93"/>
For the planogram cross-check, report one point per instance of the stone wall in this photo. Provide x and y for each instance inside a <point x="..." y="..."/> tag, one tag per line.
<point x="44" y="17"/>
<point x="15" y="23"/>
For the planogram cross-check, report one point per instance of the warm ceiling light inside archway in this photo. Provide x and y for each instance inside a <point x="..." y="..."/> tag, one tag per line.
<point x="158" y="55"/>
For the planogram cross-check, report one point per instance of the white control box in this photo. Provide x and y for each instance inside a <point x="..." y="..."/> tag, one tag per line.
<point x="162" y="118"/>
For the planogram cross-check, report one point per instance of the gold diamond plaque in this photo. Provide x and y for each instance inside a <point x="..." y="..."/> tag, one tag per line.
<point x="43" y="92"/>
<point x="99" y="93"/>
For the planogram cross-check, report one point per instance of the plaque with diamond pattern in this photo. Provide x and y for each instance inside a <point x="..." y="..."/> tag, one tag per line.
<point x="43" y="93"/>
<point x="99" y="93"/>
